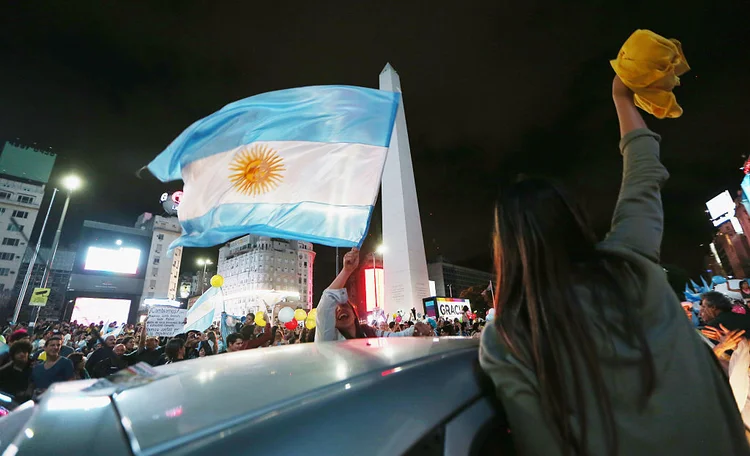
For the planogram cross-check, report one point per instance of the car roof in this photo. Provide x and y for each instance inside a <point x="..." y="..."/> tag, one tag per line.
<point x="200" y="394"/>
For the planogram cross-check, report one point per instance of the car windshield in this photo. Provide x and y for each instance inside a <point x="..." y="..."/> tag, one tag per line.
<point x="197" y="395"/>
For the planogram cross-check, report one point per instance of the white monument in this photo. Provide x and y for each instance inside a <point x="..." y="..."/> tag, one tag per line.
<point x="404" y="262"/>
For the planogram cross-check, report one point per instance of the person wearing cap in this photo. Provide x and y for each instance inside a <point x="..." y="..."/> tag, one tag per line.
<point x="17" y="335"/>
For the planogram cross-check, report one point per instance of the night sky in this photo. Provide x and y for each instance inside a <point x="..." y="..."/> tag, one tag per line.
<point x="491" y="89"/>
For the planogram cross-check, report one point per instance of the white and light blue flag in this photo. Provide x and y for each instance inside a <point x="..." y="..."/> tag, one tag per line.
<point x="301" y="163"/>
<point x="204" y="310"/>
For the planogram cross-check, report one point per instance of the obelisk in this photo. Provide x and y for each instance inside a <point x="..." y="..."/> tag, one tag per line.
<point x="404" y="261"/>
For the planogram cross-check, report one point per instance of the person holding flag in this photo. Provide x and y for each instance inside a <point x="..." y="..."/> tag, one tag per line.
<point x="337" y="318"/>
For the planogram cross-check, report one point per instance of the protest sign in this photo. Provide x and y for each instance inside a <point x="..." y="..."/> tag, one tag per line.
<point x="165" y="321"/>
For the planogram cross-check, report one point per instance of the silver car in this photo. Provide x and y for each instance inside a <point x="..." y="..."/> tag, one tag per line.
<point x="390" y="396"/>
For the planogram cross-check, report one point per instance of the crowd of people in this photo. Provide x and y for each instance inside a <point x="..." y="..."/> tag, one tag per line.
<point x="32" y="359"/>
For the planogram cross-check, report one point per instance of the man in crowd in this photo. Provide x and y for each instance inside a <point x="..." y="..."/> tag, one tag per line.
<point x="256" y="340"/>
<point x="54" y="369"/>
<point x="111" y="364"/>
<point x="234" y="342"/>
<point x="16" y="375"/>
<point x="102" y="353"/>
<point x="150" y="353"/>
<point x="716" y="310"/>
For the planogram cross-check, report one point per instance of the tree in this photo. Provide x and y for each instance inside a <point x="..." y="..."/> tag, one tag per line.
<point x="480" y="301"/>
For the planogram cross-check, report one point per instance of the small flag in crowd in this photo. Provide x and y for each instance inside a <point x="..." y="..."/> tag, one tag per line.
<point x="301" y="163"/>
<point x="201" y="315"/>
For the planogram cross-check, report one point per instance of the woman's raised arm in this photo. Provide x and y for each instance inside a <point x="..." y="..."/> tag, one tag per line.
<point x="638" y="220"/>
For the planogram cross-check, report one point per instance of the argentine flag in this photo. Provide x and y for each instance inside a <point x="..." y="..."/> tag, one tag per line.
<point x="202" y="314"/>
<point x="301" y="163"/>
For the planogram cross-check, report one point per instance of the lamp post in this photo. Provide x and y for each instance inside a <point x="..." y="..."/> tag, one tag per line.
<point x="71" y="183"/>
<point x="32" y="262"/>
<point x="205" y="263"/>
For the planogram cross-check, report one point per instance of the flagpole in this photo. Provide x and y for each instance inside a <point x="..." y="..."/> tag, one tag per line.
<point x="337" y="261"/>
<point x="492" y="292"/>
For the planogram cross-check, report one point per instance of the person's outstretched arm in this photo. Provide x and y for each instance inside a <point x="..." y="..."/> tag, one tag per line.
<point x="638" y="220"/>
<point x="325" y="321"/>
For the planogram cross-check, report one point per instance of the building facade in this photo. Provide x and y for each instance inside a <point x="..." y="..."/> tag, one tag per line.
<point x="162" y="271"/>
<point x="732" y="251"/>
<point x="24" y="173"/>
<point x="258" y="268"/>
<point x="451" y="279"/>
<point x="62" y="267"/>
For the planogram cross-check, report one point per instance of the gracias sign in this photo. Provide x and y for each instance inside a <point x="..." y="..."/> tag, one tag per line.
<point x="451" y="308"/>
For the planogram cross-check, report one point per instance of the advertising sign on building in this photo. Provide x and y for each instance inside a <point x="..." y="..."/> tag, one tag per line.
<point x="448" y="308"/>
<point x="39" y="297"/>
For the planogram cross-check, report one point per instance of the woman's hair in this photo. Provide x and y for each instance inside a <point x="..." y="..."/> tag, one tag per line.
<point x="172" y="349"/>
<point x="360" y="331"/>
<point x="20" y="346"/>
<point x="717" y="300"/>
<point x="544" y="249"/>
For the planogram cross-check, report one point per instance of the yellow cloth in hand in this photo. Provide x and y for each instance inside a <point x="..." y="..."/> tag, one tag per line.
<point x="650" y="66"/>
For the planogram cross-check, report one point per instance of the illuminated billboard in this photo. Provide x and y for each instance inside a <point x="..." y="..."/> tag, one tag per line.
<point x="372" y="287"/>
<point x="448" y="308"/>
<point x="123" y="260"/>
<point x="721" y="209"/>
<point x="94" y="310"/>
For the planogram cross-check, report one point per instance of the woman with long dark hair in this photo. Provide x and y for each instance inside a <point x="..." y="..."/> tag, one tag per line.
<point x="590" y="351"/>
<point x="337" y="318"/>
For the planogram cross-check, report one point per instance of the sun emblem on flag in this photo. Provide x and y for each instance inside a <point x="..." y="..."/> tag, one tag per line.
<point x="256" y="170"/>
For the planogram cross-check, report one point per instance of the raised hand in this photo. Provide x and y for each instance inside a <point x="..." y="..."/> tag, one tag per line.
<point x="351" y="260"/>
<point x="423" y="329"/>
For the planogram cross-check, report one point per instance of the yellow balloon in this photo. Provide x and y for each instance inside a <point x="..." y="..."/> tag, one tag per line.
<point x="260" y="322"/>
<point x="300" y="315"/>
<point x="217" y="281"/>
<point x="310" y="323"/>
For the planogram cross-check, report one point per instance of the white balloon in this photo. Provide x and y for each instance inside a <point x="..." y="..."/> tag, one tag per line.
<point x="286" y="315"/>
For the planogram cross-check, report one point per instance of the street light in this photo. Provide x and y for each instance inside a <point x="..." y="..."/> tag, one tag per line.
<point x="70" y="183"/>
<point x="205" y="262"/>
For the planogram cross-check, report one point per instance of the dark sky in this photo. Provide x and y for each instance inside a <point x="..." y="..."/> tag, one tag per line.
<point x="491" y="89"/>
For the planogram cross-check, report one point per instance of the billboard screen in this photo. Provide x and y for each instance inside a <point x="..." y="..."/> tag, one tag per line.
<point x="113" y="251"/>
<point x="26" y="163"/>
<point x="94" y="310"/>
<point x="430" y="309"/>
<point x="448" y="308"/>
<point x="721" y="208"/>
<point x="121" y="260"/>
<point x="374" y="282"/>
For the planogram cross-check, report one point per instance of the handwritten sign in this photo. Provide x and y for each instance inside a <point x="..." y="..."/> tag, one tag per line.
<point x="165" y="321"/>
